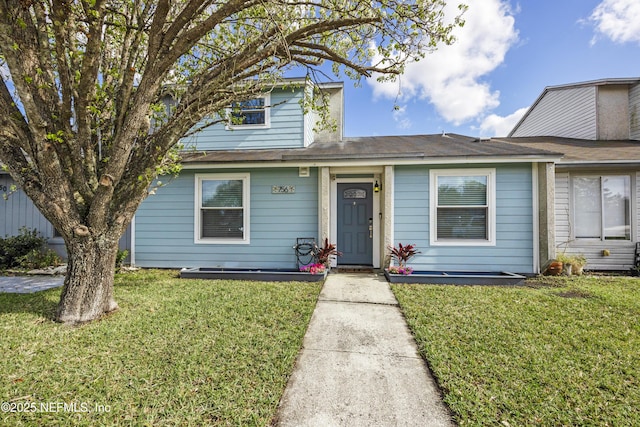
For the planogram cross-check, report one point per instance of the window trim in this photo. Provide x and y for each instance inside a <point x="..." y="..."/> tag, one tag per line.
<point x="572" y="203"/>
<point x="267" y="116"/>
<point x="197" y="229"/>
<point x="490" y="173"/>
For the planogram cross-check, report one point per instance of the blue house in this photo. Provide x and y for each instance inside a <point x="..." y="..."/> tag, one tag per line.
<point x="251" y="187"/>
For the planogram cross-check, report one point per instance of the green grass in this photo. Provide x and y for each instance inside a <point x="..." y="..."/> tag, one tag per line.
<point x="178" y="352"/>
<point x="556" y="352"/>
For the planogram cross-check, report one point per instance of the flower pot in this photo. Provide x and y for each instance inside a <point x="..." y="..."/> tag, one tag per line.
<point x="554" y="269"/>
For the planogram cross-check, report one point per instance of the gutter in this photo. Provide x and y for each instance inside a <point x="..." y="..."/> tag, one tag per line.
<point x="395" y="161"/>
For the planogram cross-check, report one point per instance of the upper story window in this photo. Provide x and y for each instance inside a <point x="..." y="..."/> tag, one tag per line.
<point x="253" y="113"/>
<point x="602" y="207"/>
<point x="222" y="208"/>
<point x="463" y="207"/>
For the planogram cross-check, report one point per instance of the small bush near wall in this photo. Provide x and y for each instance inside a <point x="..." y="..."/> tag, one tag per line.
<point x="26" y="250"/>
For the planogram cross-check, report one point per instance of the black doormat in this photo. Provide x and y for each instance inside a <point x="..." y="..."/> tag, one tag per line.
<point x="353" y="269"/>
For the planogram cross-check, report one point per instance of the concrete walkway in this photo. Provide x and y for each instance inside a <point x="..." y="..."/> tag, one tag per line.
<point x="29" y="284"/>
<point x="359" y="365"/>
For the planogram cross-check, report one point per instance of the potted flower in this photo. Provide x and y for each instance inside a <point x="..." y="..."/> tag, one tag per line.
<point x="566" y="268"/>
<point x="315" y="268"/>
<point x="401" y="254"/>
<point x="577" y="263"/>
<point x="572" y="264"/>
<point x="555" y="268"/>
<point x="396" y="269"/>
<point x="326" y="253"/>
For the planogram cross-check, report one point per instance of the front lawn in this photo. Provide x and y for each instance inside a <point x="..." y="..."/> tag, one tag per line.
<point x="562" y="351"/>
<point x="178" y="352"/>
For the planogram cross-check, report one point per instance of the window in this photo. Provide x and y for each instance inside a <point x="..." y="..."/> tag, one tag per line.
<point x="463" y="207"/>
<point x="253" y="113"/>
<point x="222" y="208"/>
<point x="602" y="208"/>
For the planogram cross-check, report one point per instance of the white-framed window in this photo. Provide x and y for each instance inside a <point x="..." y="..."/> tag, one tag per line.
<point x="250" y="114"/>
<point x="601" y="207"/>
<point x="463" y="207"/>
<point x="222" y="208"/>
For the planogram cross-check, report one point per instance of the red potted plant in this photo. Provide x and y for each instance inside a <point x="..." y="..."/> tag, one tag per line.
<point x="402" y="254"/>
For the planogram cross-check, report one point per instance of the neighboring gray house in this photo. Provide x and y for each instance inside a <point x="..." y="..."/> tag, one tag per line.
<point x="18" y="211"/>
<point x="596" y="124"/>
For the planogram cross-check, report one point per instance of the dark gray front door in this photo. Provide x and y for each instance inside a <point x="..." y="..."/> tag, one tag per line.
<point x="355" y="223"/>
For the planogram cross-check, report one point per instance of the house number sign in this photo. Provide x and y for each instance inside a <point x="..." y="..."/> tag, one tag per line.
<point x="354" y="193"/>
<point x="283" y="189"/>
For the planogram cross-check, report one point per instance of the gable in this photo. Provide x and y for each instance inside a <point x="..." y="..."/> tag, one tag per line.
<point x="568" y="112"/>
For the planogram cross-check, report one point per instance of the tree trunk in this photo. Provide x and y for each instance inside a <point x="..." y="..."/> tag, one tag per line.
<point x="88" y="286"/>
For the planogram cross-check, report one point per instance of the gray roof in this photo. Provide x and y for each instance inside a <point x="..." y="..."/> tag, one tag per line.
<point x="390" y="149"/>
<point x="583" y="151"/>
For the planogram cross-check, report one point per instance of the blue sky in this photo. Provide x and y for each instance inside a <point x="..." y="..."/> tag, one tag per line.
<point x="506" y="54"/>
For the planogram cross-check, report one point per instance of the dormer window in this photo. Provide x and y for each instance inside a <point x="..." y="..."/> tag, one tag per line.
<point x="253" y="113"/>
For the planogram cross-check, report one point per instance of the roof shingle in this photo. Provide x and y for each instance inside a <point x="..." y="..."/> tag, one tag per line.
<point x="418" y="147"/>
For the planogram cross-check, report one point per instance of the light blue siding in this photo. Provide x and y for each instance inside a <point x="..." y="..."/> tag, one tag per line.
<point x="514" y="223"/>
<point x="165" y="224"/>
<point x="286" y="129"/>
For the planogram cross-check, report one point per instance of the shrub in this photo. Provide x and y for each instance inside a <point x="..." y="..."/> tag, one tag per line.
<point x="14" y="248"/>
<point x="39" y="258"/>
<point x="120" y="257"/>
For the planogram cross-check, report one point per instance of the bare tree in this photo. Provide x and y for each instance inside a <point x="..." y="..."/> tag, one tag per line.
<point x="84" y="132"/>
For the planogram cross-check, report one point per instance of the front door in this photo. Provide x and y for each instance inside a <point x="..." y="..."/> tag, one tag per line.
<point x="355" y="223"/>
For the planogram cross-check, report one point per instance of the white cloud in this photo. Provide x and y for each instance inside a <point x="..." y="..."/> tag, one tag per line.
<point x="451" y="77"/>
<point x="495" y="125"/>
<point x="401" y="119"/>
<point x="618" y="20"/>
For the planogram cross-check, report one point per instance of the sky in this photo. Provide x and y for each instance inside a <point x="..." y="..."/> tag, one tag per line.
<point x="505" y="55"/>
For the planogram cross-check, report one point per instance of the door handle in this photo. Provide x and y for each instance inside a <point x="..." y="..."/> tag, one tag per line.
<point x="371" y="228"/>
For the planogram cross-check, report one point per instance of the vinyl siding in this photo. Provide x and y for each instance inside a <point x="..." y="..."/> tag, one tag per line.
<point x="514" y="223"/>
<point x="19" y="211"/>
<point x="286" y="128"/>
<point x="634" y="112"/>
<point x="165" y="224"/>
<point x="569" y="113"/>
<point x="309" y="136"/>
<point x="561" y="207"/>
<point x="621" y="252"/>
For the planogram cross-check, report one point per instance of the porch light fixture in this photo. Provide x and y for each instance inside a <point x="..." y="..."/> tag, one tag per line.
<point x="376" y="187"/>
